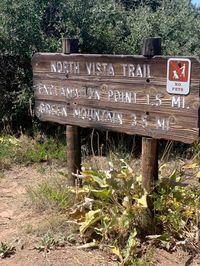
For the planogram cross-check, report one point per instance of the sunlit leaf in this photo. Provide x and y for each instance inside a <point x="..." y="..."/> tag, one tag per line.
<point x="80" y="193"/>
<point x="11" y="140"/>
<point x="162" y="166"/>
<point x="92" y="244"/>
<point x="163" y="237"/>
<point x="83" y="190"/>
<point x="101" y="182"/>
<point x="198" y="175"/>
<point x="173" y="175"/>
<point x="126" y="202"/>
<point x="139" y="178"/>
<point x="143" y="200"/>
<point x="115" y="250"/>
<point x="130" y="246"/>
<point x="103" y="194"/>
<point x="190" y="166"/>
<point x="124" y="165"/>
<point x="98" y="177"/>
<point x="90" y="219"/>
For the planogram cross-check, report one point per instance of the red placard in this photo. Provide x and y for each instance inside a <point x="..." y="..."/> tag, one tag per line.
<point x="178" y="76"/>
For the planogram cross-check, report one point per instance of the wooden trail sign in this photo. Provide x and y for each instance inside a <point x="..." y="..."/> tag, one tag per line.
<point x="121" y="93"/>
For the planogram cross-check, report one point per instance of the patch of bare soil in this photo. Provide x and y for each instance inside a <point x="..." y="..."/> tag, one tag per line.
<point x="16" y="217"/>
<point x="178" y="258"/>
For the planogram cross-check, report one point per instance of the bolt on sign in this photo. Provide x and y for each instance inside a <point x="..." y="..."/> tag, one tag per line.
<point x="157" y="97"/>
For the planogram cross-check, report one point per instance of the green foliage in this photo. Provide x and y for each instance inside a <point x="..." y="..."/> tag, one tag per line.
<point x="180" y="38"/>
<point x="132" y="4"/>
<point x="52" y="194"/>
<point x="112" y="208"/>
<point x="50" y="242"/>
<point x="196" y="149"/>
<point x="130" y="247"/>
<point x="177" y="209"/>
<point x="27" y="150"/>
<point x="20" y="36"/>
<point x="102" y="26"/>
<point x="48" y="150"/>
<point x="6" y="250"/>
<point x="169" y="22"/>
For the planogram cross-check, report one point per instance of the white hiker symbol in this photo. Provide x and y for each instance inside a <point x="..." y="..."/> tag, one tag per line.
<point x="183" y="71"/>
<point x="180" y="74"/>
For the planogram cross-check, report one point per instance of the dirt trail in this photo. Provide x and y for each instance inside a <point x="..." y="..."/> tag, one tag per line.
<point x="16" y="215"/>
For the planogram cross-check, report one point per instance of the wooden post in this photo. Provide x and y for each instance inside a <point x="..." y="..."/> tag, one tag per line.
<point x="151" y="47"/>
<point x="149" y="163"/>
<point x="72" y="132"/>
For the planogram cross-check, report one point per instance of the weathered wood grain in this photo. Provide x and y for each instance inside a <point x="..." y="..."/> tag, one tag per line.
<point x="132" y="86"/>
<point x="72" y="132"/>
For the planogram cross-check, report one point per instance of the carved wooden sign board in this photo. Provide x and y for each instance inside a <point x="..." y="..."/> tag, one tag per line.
<point x="157" y="97"/>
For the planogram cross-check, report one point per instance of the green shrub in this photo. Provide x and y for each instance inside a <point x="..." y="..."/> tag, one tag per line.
<point x="177" y="209"/>
<point x="27" y="150"/>
<point x="113" y="209"/>
<point x="52" y="193"/>
<point x="48" y="150"/>
<point x="102" y="26"/>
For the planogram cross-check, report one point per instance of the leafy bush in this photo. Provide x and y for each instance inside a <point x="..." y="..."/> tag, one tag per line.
<point x="48" y="150"/>
<point x="102" y="26"/>
<point x="177" y="210"/>
<point x="112" y="208"/>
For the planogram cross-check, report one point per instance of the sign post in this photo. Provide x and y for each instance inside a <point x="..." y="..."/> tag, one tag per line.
<point x="72" y="132"/>
<point x="122" y="93"/>
<point x="151" y="47"/>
